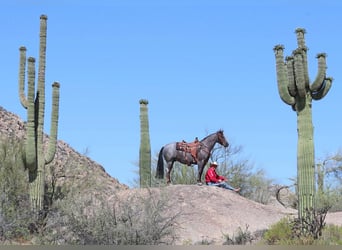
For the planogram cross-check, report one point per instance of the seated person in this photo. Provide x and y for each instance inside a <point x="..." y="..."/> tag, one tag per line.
<point x="213" y="179"/>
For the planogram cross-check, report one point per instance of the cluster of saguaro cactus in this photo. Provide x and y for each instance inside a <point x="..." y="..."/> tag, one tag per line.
<point x="296" y="90"/>
<point x="34" y="102"/>
<point x="145" y="146"/>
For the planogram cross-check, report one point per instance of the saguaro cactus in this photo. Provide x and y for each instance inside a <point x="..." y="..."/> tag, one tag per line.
<point x="145" y="147"/>
<point x="35" y="158"/>
<point x="296" y="90"/>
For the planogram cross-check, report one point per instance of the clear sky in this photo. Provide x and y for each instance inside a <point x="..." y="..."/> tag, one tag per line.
<point x="203" y="65"/>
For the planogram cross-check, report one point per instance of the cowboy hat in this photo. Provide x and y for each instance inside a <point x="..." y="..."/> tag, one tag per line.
<point x="214" y="163"/>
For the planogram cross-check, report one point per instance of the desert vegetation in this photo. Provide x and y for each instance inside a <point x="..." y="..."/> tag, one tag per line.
<point x="70" y="217"/>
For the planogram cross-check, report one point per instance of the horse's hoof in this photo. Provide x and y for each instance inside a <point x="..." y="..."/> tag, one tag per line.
<point x="199" y="183"/>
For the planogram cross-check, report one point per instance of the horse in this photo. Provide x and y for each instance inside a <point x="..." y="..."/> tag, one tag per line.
<point x="170" y="154"/>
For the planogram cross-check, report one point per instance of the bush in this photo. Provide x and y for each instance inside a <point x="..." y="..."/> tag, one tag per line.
<point x="284" y="233"/>
<point x="279" y="233"/>
<point x="331" y="197"/>
<point x="15" y="215"/>
<point x="137" y="220"/>
<point x="243" y="237"/>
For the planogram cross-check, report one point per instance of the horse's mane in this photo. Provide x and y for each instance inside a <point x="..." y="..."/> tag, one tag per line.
<point x="219" y="131"/>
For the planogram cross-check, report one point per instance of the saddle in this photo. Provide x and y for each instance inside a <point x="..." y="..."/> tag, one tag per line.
<point x="189" y="147"/>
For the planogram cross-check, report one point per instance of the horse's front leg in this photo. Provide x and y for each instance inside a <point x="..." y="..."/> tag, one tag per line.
<point x="200" y="171"/>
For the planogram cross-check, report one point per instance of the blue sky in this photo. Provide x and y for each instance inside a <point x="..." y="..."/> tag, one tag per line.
<point x="203" y="65"/>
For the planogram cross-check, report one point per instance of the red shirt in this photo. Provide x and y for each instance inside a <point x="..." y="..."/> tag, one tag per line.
<point x="212" y="176"/>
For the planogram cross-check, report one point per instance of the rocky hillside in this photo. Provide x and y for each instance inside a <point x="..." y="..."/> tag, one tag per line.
<point x="70" y="167"/>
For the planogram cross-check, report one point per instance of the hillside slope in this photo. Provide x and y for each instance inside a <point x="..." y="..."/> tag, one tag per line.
<point x="69" y="167"/>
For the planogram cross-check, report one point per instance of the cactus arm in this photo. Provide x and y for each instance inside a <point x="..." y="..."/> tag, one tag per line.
<point x="282" y="79"/>
<point x="22" y="66"/>
<point x="317" y="84"/>
<point x="300" y="32"/>
<point x="290" y="75"/>
<point x="325" y="87"/>
<point x="299" y="73"/>
<point x="31" y="154"/>
<point x="54" y="124"/>
<point x="305" y="67"/>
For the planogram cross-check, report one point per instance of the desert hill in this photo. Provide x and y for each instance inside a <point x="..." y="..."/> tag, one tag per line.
<point x="204" y="213"/>
<point x="70" y="167"/>
<point x="207" y="213"/>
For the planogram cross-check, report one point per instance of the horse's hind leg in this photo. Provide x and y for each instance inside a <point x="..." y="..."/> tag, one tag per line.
<point x="168" y="173"/>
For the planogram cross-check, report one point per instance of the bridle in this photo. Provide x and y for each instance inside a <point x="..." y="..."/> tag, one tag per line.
<point x="220" y="138"/>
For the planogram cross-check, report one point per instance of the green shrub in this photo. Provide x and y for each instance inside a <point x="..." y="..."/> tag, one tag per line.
<point x="243" y="237"/>
<point x="284" y="233"/>
<point x="15" y="216"/>
<point x="279" y="233"/>
<point x="137" y="220"/>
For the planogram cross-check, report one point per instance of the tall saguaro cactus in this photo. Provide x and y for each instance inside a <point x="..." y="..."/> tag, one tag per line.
<point x="296" y="90"/>
<point x="145" y="146"/>
<point x="34" y="102"/>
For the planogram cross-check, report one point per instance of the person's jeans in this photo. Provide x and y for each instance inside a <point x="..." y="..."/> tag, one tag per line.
<point x="221" y="184"/>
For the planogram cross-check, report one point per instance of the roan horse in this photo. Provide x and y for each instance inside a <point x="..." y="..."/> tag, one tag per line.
<point x="169" y="153"/>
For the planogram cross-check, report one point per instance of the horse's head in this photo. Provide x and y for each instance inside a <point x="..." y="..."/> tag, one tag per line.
<point x="221" y="139"/>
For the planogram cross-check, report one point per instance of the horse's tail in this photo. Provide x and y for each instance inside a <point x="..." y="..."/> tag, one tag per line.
<point x="160" y="165"/>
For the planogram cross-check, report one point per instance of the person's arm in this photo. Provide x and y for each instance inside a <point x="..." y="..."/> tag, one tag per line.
<point x="222" y="178"/>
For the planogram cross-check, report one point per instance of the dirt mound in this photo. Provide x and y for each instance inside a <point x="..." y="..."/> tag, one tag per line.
<point x="209" y="213"/>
